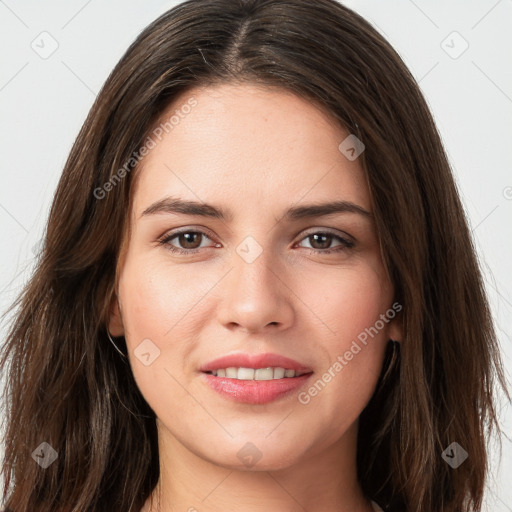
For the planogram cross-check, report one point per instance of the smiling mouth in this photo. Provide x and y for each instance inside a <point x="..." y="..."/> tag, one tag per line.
<point x="257" y="374"/>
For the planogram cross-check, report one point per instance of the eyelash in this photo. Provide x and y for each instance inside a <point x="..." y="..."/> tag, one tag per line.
<point x="345" y="244"/>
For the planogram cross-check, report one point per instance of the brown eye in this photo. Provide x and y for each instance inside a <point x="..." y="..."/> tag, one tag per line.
<point x="321" y="242"/>
<point x="188" y="241"/>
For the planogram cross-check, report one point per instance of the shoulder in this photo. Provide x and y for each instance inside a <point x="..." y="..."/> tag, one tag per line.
<point x="376" y="507"/>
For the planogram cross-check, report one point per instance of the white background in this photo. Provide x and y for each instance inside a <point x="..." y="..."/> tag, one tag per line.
<point x="43" y="103"/>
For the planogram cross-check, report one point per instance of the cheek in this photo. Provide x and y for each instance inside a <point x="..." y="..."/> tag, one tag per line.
<point x="157" y="299"/>
<point x="158" y="304"/>
<point x="347" y="300"/>
<point x="351" y="304"/>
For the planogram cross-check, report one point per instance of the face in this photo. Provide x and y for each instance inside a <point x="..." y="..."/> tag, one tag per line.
<point x="251" y="270"/>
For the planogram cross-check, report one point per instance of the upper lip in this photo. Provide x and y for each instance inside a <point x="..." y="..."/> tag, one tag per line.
<point x="254" y="361"/>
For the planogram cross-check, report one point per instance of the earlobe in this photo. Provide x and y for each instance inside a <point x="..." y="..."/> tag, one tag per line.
<point x="395" y="330"/>
<point x="115" y="324"/>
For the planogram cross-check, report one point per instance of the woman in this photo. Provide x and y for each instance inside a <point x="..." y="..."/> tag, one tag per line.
<point x="180" y="348"/>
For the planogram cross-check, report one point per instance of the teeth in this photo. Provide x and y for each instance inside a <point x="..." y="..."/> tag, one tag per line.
<point x="262" y="374"/>
<point x="279" y="373"/>
<point x="256" y="374"/>
<point x="232" y="373"/>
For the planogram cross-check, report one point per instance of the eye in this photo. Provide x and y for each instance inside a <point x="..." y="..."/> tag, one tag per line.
<point x="325" y="238"/>
<point x="189" y="239"/>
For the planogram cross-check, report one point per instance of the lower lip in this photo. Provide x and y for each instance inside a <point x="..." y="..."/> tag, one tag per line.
<point x="254" y="391"/>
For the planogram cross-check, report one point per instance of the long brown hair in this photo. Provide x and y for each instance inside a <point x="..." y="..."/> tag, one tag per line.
<point x="67" y="386"/>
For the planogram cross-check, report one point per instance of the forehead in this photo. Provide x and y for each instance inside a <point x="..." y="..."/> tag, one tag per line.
<point x="249" y="145"/>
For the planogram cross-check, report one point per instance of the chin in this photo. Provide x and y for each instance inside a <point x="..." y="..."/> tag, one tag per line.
<point x="251" y="458"/>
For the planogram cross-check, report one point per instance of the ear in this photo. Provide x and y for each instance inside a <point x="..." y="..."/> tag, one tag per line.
<point x="395" y="329"/>
<point x="115" y="323"/>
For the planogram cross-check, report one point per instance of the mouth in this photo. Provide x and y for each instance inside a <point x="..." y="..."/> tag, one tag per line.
<point x="255" y="378"/>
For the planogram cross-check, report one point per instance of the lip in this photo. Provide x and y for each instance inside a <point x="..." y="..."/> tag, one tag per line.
<point x="254" y="361"/>
<point x="254" y="391"/>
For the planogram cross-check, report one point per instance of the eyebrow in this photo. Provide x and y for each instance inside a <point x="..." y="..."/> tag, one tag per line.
<point x="176" y="205"/>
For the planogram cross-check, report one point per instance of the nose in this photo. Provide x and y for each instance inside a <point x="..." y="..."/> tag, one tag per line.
<point x="255" y="295"/>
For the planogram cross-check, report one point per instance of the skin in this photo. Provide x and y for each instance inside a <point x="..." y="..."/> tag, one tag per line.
<point x="255" y="151"/>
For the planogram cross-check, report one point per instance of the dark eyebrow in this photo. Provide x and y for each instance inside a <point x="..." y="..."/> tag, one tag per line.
<point x="175" y="205"/>
<point x="321" y="209"/>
